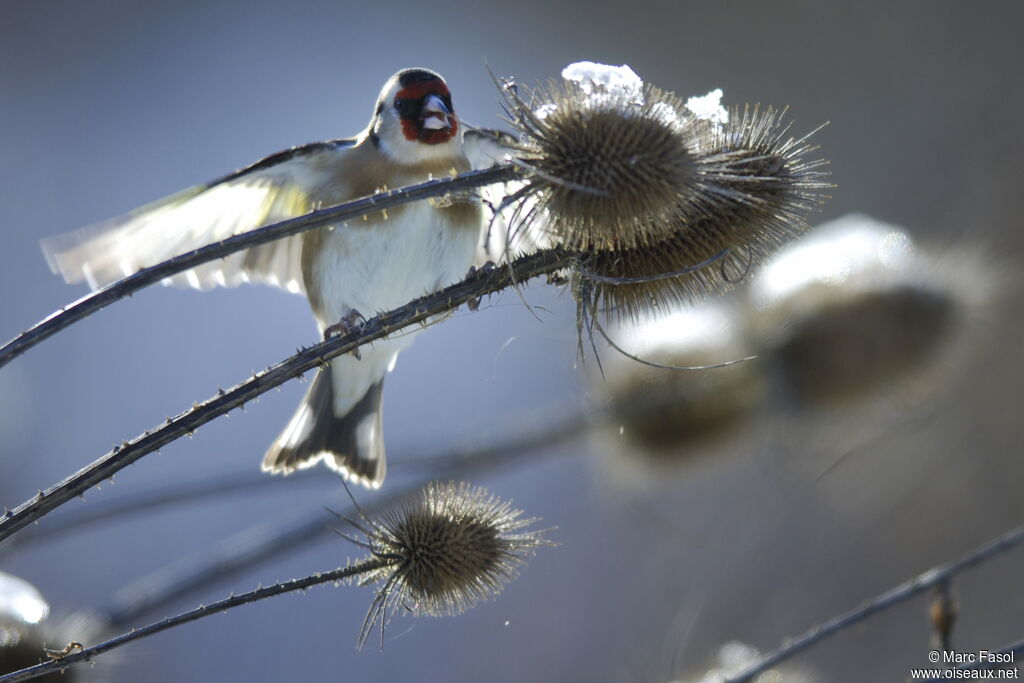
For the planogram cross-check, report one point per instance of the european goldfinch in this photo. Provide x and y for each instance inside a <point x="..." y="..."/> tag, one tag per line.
<point x="366" y="265"/>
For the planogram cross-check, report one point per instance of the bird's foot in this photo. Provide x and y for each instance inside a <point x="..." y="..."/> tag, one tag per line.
<point x="350" y="322"/>
<point x="557" y="279"/>
<point x="487" y="268"/>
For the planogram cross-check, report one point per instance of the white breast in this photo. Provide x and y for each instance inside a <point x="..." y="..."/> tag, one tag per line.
<point x="375" y="266"/>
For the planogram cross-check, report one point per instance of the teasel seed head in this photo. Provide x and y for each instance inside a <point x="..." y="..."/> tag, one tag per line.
<point x="610" y="156"/>
<point x="663" y="201"/>
<point x="452" y="546"/>
<point x="753" y="190"/>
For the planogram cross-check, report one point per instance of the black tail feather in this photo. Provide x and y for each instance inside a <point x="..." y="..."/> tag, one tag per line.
<point x="351" y="444"/>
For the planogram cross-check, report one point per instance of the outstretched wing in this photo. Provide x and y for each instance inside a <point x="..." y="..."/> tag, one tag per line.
<point x="273" y="189"/>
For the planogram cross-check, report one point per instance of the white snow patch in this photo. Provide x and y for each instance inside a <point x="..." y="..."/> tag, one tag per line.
<point x="545" y="110"/>
<point x="854" y="246"/>
<point x="709" y="107"/>
<point x="605" y="79"/>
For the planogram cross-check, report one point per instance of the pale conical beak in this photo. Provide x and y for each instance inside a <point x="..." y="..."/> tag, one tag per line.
<point x="435" y="114"/>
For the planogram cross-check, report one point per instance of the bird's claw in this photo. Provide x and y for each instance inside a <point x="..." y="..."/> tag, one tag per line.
<point x="349" y="323"/>
<point x="557" y="279"/>
<point x="486" y="269"/>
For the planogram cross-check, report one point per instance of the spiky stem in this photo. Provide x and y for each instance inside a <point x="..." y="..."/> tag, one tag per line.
<point x="898" y="594"/>
<point x="87" y="654"/>
<point x="102" y="298"/>
<point x="482" y="282"/>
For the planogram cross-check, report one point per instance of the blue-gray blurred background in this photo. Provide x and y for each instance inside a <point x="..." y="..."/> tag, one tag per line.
<point x="106" y="105"/>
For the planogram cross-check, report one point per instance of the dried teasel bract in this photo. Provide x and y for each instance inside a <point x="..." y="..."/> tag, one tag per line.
<point x="664" y="201"/>
<point x="856" y="311"/>
<point x="447" y="549"/>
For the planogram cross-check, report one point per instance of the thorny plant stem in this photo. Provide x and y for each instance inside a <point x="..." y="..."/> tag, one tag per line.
<point x="93" y="302"/>
<point x="198" y="613"/>
<point x="269" y="542"/>
<point x="266" y="542"/>
<point x="164" y="496"/>
<point x="170" y="494"/>
<point x="893" y="596"/>
<point x="480" y="283"/>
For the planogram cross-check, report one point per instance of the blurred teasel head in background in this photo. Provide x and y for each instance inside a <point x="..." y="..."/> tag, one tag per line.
<point x="28" y="631"/>
<point x="734" y="657"/>
<point x="660" y="420"/>
<point x="856" y="311"/>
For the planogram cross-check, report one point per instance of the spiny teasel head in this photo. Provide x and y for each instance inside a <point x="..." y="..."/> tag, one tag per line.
<point x="663" y="201"/>
<point x="754" y="189"/>
<point x="450" y="547"/>
<point x="610" y="156"/>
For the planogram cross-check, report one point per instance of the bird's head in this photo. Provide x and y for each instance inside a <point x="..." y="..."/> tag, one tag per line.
<point x="414" y="120"/>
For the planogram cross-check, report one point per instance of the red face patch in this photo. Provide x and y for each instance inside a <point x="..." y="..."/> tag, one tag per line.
<point x="419" y="90"/>
<point x="412" y="126"/>
<point x="414" y="131"/>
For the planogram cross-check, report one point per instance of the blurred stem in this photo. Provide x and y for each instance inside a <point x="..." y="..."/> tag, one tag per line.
<point x="918" y="584"/>
<point x="268" y="542"/>
<point x="479" y="283"/>
<point x="163" y="497"/>
<point x="87" y="654"/>
<point x="265" y="543"/>
<point x="102" y="298"/>
<point x="529" y="436"/>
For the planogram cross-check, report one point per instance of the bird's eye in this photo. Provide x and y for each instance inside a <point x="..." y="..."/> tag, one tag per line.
<point x="406" y="108"/>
